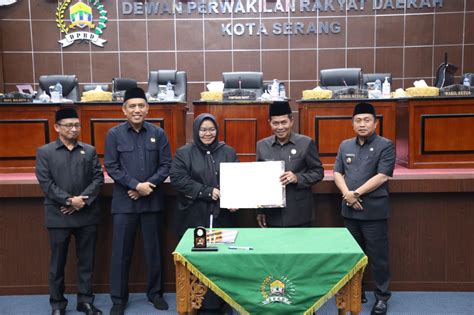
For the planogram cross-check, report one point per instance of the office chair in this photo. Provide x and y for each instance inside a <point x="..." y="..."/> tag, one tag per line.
<point x="340" y="78"/>
<point x="70" y="85"/>
<point x="161" y="77"/>
<point x="247" y="80"/>
<point x="123" y="84"/>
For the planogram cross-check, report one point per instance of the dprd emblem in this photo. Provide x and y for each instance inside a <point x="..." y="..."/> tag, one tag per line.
<point x="82" y="25"/>
<point x="276" y="290"/>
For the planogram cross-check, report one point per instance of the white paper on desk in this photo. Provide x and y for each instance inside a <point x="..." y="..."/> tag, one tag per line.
<point x="252" y="185"/>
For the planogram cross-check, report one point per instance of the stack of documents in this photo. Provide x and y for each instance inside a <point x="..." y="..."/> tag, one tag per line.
<point x="221" y="236"/>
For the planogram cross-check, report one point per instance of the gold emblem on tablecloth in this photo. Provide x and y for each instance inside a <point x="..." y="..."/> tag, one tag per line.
<point x="279" y="290"/>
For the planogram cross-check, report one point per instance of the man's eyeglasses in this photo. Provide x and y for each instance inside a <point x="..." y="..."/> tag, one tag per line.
<point x="203" y="131"/>
<point x="70" y="126"/>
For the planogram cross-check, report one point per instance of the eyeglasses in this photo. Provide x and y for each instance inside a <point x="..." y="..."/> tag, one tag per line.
<point x="70" y="126"/>
<point x="212" y="131"/>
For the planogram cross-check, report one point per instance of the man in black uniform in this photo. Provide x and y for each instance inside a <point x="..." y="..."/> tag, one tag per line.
<point x="138" y="158"/>
<point x="303" y="169"/>
<point x="70" y="176"/>
<point x="363" y="166"/>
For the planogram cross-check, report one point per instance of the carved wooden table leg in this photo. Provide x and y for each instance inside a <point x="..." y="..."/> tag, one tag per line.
<point x="183" y="288"/>
<point x="348" y="298"/>
<point x="189" y="290"/>
<point x="198" y="290"/>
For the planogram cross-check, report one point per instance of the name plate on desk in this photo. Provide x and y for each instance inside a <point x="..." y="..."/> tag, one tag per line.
<point x="239" y="95"/>
<point x="350" y="93"/>
<point x="16" y="100"/>
<point x="16" y="97"/>
<point x="456" y="90"/>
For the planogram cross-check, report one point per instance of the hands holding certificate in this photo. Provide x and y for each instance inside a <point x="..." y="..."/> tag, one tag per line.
<point x="288" y="178"/>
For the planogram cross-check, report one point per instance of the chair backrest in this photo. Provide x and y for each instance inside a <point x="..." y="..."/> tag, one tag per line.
<point x="70" y="85"/>
<point x="123" y="84"/>
<point x="161" y="77"/>
<point x="248" y="81"/>
<point x="340" y="78"/>
<point x="91" y="87"/>
<point x="372" y="77"/>
<point x="470" y="77"/>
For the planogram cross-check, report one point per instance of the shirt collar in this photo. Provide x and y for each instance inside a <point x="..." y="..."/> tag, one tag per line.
<point x="130" y="127"/>
<point x="368" y="140"/>
<point x="291" y="139"/>
<point x="60" y="144"/>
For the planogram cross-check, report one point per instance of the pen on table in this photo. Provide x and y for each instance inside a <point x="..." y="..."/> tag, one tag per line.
<point x="241" y="247"/>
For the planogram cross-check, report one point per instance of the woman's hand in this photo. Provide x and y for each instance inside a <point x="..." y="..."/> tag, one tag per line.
<point x="216" y="194"/>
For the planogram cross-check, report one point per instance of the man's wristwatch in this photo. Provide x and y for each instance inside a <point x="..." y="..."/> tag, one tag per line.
<point x="357" y="196"/>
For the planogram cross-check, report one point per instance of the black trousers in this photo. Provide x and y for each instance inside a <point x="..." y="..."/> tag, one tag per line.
<point x="372" y="237"/>
<point x="86" y="238"/>
<point x="124" y="231"/>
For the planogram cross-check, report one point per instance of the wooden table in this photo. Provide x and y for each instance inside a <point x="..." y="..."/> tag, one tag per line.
<point x="334" y="259"/>
<point x="190" y="292"/>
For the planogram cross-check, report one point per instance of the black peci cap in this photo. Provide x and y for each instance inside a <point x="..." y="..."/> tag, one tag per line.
<point x="364" y="108"/>
<point x="65" y="113"/>
<point x="135" y="92"/>
<point x="279" y="108"/>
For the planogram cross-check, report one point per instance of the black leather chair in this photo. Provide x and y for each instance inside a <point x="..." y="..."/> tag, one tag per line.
<point x="161" y="77"/>
<point x="70" y="85"/>
<point x="248" y="81"/>
<point x="340" y="78"/>
<point x="371" y="77"/>
<point x="91" y="87"/>
<point x="123" y="84"/>
<point x="468" y="75"/>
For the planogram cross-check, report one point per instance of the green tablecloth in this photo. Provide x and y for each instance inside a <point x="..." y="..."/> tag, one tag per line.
<point x="289" y="271"/>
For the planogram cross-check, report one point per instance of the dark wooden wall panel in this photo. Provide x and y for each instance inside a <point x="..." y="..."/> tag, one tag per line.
<point x="329" y="122"/>
<point x="430" y="235"/>
<point x="241" y="134"/>
<point x="21" y="137"/>
<point x="447" y="133"/>
<point x="440" y="132"/>
<point x="25" y="127"/>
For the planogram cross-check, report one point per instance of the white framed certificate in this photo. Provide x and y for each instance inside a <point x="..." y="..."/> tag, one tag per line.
<point x="252" y="185"/>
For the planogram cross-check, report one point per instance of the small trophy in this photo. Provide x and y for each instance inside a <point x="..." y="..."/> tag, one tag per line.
<point x="200" y="241"/>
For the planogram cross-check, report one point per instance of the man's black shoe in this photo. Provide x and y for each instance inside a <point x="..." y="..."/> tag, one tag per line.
<point x="88" y="308"/>
<point x="58" y="312"/>
<point x="363" y="298"/>
<point x="159" y="303"/>
<point x="380" y="307"/>
<point x="117" y="309"/>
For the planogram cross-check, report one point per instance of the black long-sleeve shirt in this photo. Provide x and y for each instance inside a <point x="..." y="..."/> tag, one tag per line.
<point x="64" y="173"/>
<point x="135" y="157"/>
<point x="301" y="158"/>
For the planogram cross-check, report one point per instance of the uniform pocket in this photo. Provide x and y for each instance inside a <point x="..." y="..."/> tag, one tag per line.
<point x="124" y="148"/>
<point x="151" y="146"/>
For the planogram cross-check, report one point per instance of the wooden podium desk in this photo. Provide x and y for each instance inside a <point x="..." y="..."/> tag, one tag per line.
<point x="329" y="122"/>
<point x="429" y="132"/>
<point x="242" y="124"/>
<point x="26" y="126"/>
<point x="436" y="132"/>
